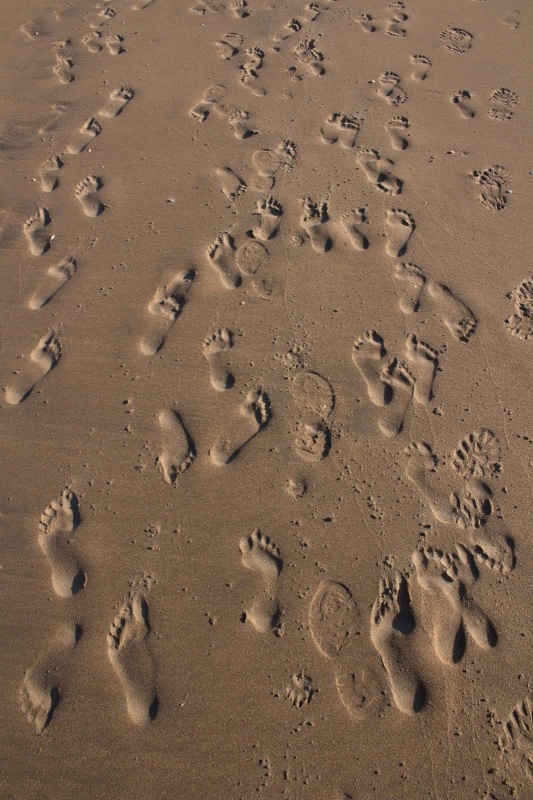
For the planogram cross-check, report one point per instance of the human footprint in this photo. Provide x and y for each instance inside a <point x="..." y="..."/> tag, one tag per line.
<point x="62" y="68"/>
<point x="458" y="318"/>
<point x="48" y="173"/>
<point x="238" y="122"/>
<point x="214" y="346"/>
<point x="164" y="308"/>
<point x="312" y="221"/>
<point x="116" y="101"/>
<point x="307" y="54"/>
<point x="461" y="100"/>
<point x="221" y="255"/>
<point x="90" y="128"/>
<point x="44" y="358"/>
<point x="424" y="362"/>
<point x="38" y="240"/>
<point x="402" y="384"/>
<point x="114" y="44"/>
<point x="177" y="448"/>
<point x="56" y="277"/>
<point x="378" y="171"/>
<point x="57" y="524"/>
<point x="232" y="185"/>
<point x="312" y="441"/>
<point x="421" y="67"/>
<point x="368" y="355"/>
<point x="366" y="22"/>
<point x="390" y="90"/>
<point x="128" y="652"/>
<point x="410" y="280"/>
<point x="396" y="128"/>
<point x="261" y="555"/>
<point x="254" y="414"/>
<point x="399" y="226"/>
<point x="391" y="624"/>
<point x="269" y="212"/>
<point x="267" y="162"/>
<point x="351" y="223"/>
<point x="86" y="194"/>
<point x="341" y="128"/>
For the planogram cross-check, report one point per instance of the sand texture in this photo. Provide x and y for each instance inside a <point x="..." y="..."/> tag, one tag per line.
<point x="266" y="296"/>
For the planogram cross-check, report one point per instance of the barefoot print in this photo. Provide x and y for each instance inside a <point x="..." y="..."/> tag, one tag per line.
<point x="33" y="229"/>
<point x="269" y="212"/>
<point x="48" y="173"/>
<point x="215" y="348"/>
<point x="423" y="361"/>
<point x="221" y="256"/>
<point x="86" y="193"/>
<point x="90" y="128"/>
<point x="116" y="102"/>
<point x="164" y="308"/>
<point x="177" y="448"/>
<point x="254" y="414"/>
<point x="262" y="556"/>
<point x="56" y="527"/>
<point x="352" y="222"/>
<point x="368" y="355"/>
<point x="399" y="226"/>
<point x="313" y="222"/>
<point x="56" y="277"/>
<point x="43" y="359"/>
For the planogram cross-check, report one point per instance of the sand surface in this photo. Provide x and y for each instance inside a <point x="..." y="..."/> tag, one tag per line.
<point x="267" y="331"/>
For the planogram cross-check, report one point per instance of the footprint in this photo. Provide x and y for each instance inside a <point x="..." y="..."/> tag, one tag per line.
<point x="517" y="729"/>
<point x="313" y="394"/>
<point x="251" y="257"/>
<point x="88" y="131"/>
<point x="307" y="54"/>
<point x="511" y="20"/>
<point x="269" y="212"/>
<point x="402" y="384"/>
<point x="351" y="223"/>
<point x="521" y="322"/>
<point x="164" y="308"/>
<point x="456" y="40"/>
<point x="92" y="41"/>
<point x="399" y="226"/>
<point x="267" y="162"/>
<point x="341" y="128"/>
<point x="56" y="527"/>
<point x="240" y="9"/>
<point x="410" y="281"/>
<point x="128" y="651"/>
<point x="457" y="317"/>
<point x="312" y="221"/>
<point x="500" y="114"/>
<point x="177" y="448"/>
<point x="255" y="414"/>
<point x="221" y="255"/>
<point x="85" y="193"/>
<point x="116" y="102"/>
<point x="262" y="556"/>
<point x="48" y="173"/>
<point x="232" y="185"/>
<point x="228" y="45"/>
<point x="396" y="128"/>
<point x="461" y="100"/>
<point x="391" y="623"/>
<point x="334" y="619"/>
<point x="39" y="690"/>
<point x="363" y="695"/>
<point x="390" y="90"/>
<point x="494" y="182"/>
<point x="238" y="122"/>
<point x="62" y="69"/>
<point x="38" y="240"/>
<point x="299" y="691"/>
<point x="505" y="97"/>
<point x="56" y="277"/>
<point x="213" y="346"/>
<point x="421" y="65"/>
<point x="366" y="22"/>
<point x="424" y="362"/>
<point x="313" y="441"/>
<point x="211" y="99"/>
<point x="368" y="355"/>
<point x="311" y="11"/>
<point x="44" y="358"/>
<point x="378" y="171"/>
<point x="393" y="27"/>
<point x="290" y="27"/>
<point x="114" y="44"/>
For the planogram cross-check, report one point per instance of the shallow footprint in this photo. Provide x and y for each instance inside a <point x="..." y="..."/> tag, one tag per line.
<point x="424" y="362"/>
<point x="461" y="100"/>
<point x="164" y="308"/>
<point x="213" y="346"/>
<point x="85" y="193"/>
<point x="269" y="212"/>
<point x="396" y="128"/>
<point x="411" y="282"/>
<point x="38" y="240"/>
<point x="116" y="101"/>
<point x="57" y="524"/>
<point x="255" y="414"/>
<point x="421" y="67"/>
<point x="261" y="555"/>
<point x="221" y="255"/>
<point x="48" y="173"/>
<point x="177" y="448"/>
<point x="351" y="223"/>
<point x="399" y="226"/>
<point x="457" y="317"/>
<point x="378" y="171"/>
<point x="232" y="185"/>
<point x="44" y="358"/>
<point x="56" y="277"/>
<point x="131" y="659"/>
<point x="313" y="441"/>
<point x="363" y="694"/>
<point x="402" y="384"/>
<point x="334" y="619"/>
<point x="368" y="355"/>
<point x="312" y="221"/>
<point x="90" y="128"/>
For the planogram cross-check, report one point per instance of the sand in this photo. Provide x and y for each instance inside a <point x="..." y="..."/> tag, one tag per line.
<point x="267" y="319"/>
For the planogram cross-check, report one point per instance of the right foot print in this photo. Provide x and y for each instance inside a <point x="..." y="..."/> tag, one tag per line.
<point x="312" y="221"/>
<point x="396" y="128"/>
<point x="368" y="355"/>
<point x="366" y="22"/>
<point x="269" y="212"/>
<point x="221" y="255"/>
<point x="267" y="162"/>
<point x="341" y="128"/>
<point x="457" y="317"/>
<point x="165" y="307"/>
<point x="116" y="101"/>
<point x="232" y="185"/>
<point x="177" y="448"/>
<point x="214" y="346"/>
<point x="391" y="623"/>
<point x="399" y="226"/>
<point x="262" y="556"/>
<point x="461" y="100"/>
<point x="424" y="362"/>
<point x="62" y="68"/>
<point x="307" y="54"/>
<point x="402" y="384"/>
<point x="44" y="358"/>
<point x="389" y="89"/>
<point x="48" y="173"/>
<point x="351" y="223"/>
<point x="114" y="44"/>
<point x="56" y="277"/>
<point x="58" y="522"/>
<point x="38" y="241"/>
<point x="131" y="659"/>
<point x="86" y="194"/>
<point x="411" y="280"/>
<point x="255" y="414"/>
<point x="87" y="132"/>
<point x="378" y="171"/>
<point x="92" y="41"/>
<point x="421" y="67"/>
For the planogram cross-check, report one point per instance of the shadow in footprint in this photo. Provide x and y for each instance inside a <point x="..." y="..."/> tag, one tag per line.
<point x="404" y="621"/>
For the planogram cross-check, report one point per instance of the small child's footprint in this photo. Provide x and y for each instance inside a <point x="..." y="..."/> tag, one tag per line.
<point x="177" y="448"/>
<point x="262" y="556"/>
<point x="44" y="358"/>
<point x="164" y="309"/>
<point x="86" y="194"/>
<point x="255" y="414"/>
<point x="214" y="348"/>
<point x="57" y="524"/>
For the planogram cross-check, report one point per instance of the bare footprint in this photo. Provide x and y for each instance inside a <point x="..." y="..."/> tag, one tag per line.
<point x="267" y="162"/>
<point x="402" y="384"/>
<point x="390" y="90"/>
<point x="86" y="194"/>
<point x="116" y="101"/>
<point x="351" y="223"/>
<point x="312" y="441"/>
<point x="56" y="527"/>
<point x="249" y="78"/>
<point x="232" y="185"/>
<point x="410" y="280"/>
<point x="421" y="65"/>
<point x="63" y="69"/>
<point x="378" y="171"/>
<point x="269" y="212"/>
<point x="228" y="45"/>
<point x="177" y="448"/>
<point x="131" y="658"/>
<point x="391" y="623"/>
<point x="461" y="100"/>
<point x="262" y="556"/>
<point x="366" y="22"/>
<point x="424" y="362"/>
<point x="214" y="348"/>
<point x="307" y="54"/>
<point x="114" y="44"/>
<point x="312" y="221"/>
<point x="221" y="255"/>
<point x="44" y="358"/>
<point x="255" y="414"/>
<point x="92" y="41"/>
<point x="38" y="240"/>
<point x="238" y="122"/>
<point x="164" y="308"/>
<point x="368" y="355"/>
<point x="396" y="128"/>
<point x="48" y="173"/>
<point x="56" y="277"/>
<point x="211" y="99"/>
<point x="39" y="690"/>
<point x="341" y="128"/>
<point x="457" y="317"/>
<point x="399" y="226"/>
<point x="90" y="128"/>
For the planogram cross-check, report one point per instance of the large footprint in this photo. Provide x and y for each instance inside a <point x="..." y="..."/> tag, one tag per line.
<point x="44" y="358"/>
<point x="177" y="448"/>
<point x="399" y="226"/>
<point x="255" y="414"/>
<point x="261" y="555"/>
<point x="221" y="256"/>
<point x="57" y="524"/>
<point x="131" y="659"/>
<point x="164" y="309"/>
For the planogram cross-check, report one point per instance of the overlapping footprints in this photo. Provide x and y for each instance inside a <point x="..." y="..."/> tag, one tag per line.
<point x="315" y="398"/>
<point x="261" y="555"/>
